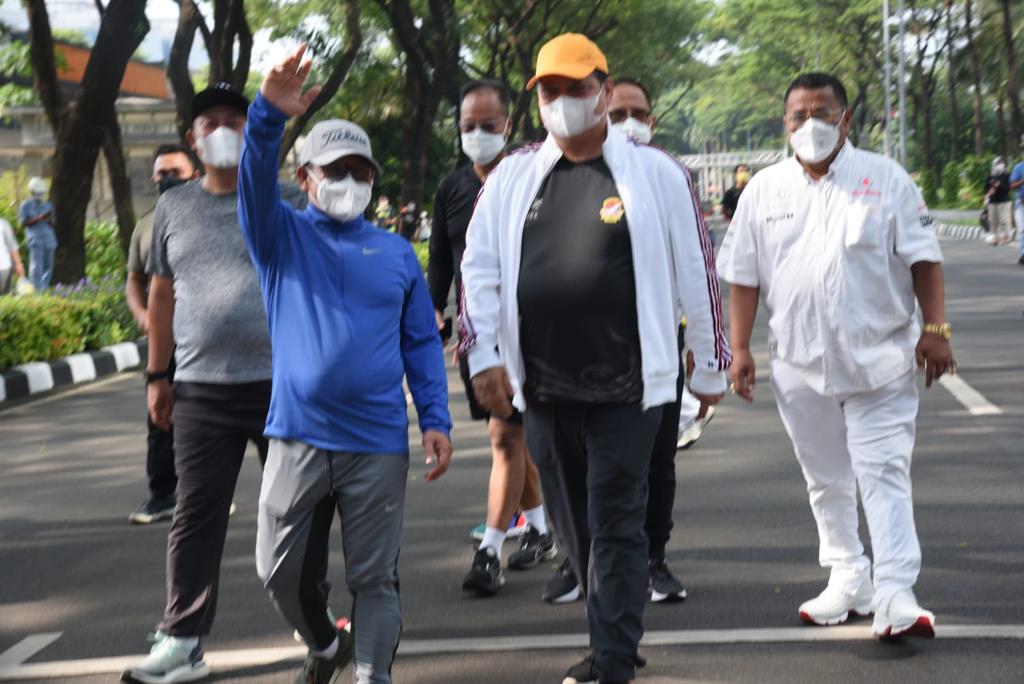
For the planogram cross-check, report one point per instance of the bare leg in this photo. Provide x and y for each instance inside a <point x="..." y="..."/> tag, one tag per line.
<point x="508" y="472"/>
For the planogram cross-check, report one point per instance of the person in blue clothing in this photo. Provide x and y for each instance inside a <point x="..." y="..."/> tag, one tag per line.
<point x="349" y="316"/>
<point x="36" y="215"/>
<point x="1017" y="189"/>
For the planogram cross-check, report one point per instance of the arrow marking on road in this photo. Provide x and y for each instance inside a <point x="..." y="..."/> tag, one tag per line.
<point x="26" y="648"/>
<point x="971" y="398"/>
<point x="255" y="657"/>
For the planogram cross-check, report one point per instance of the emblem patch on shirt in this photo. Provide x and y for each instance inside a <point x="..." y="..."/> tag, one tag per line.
<point x="612" y="210"/>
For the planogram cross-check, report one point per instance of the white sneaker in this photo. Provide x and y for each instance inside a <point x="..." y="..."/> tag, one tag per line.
<point x="833" y="606"/>
<point x="904" y="617"/>
<point x="689" y="436"/>
<point x="172" y="659"/>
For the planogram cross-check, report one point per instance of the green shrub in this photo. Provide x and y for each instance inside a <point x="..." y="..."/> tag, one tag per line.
<point x="928" y="188"/>
<point x="973" y="175"/>
<point x="66" y="320"/>
<point x="103" y="255"/>
<point x="951" y="184"/>
<point x="422" y="250"/>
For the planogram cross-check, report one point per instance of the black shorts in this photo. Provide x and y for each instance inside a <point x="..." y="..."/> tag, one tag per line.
<point x="476" y="411"/>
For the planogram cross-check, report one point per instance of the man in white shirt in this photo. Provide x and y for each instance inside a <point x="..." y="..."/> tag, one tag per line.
<point x="838" y="243"/>
<point x="10" y="258"/>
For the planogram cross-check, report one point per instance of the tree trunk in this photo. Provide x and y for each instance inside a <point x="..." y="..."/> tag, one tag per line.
<point x="82" y="126"/>
<point x="419" y="111"/>
<point x="1001" y="124"/>
<point x="120" y="184"/>
<point x="972" y="50"/>
<point x="954" y="115"/>
<point x="178" y="75"/>
<point x="1013" y="82"/>
<point x="345" y="58"/>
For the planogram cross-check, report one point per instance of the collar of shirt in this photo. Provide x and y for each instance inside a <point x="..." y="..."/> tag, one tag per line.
<point x="324" y="221"/>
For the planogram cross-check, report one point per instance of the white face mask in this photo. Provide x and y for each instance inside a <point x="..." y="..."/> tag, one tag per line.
<point x="636" y="129"/>
<point x="999" y="169"/>
<point x="567" y="117"/>
<point x="815" y="140"/>
<point x="222" y="149"/>
<point x="482" y="147"/>
<point x="343" y="200"/>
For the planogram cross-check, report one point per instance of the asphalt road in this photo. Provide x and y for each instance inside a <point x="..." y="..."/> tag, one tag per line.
<point x="72" y="468"/>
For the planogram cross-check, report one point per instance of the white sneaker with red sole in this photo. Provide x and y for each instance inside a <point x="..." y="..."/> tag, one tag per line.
<point x="834" y="606"/>
<point x="904" y="617"/>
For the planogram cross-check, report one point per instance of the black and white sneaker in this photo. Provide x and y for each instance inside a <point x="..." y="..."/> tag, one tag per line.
<point x="583" y="671"/>
<point x="662" y="584"/>
<point x="534" y="548"/>
<point x="153" y="510"/>
<point x="484" y="577"/>
<point x="328" y="670"/>
<point x="563" y="587"/>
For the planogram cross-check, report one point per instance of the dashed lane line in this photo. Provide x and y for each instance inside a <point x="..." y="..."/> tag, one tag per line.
<point x="975" y="403"/>
<point x="255" y="657"/>
<point x="26" y="648"/>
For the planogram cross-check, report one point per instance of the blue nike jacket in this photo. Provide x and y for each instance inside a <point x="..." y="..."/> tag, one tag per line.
<point x="349" y="314"/>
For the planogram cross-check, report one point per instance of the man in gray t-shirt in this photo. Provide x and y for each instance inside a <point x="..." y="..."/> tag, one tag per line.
<point x="205" y="308"/>
<point x="172" y="166"/>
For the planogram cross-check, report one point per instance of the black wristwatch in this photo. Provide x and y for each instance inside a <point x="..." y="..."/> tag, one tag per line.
<point x="153" y="377"/>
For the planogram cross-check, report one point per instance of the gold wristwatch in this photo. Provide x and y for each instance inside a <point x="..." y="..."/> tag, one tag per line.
<point x="944" y="329"/>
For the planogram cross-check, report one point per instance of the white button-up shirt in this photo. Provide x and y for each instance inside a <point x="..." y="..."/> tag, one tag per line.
<point x="832" y="259"/>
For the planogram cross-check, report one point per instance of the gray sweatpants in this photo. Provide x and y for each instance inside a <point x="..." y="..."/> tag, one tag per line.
<point x="370" y="494"/>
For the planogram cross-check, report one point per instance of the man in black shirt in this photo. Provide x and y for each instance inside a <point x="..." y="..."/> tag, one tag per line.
<point x="731" y="198"/>
<point x="582" y="255"/>
<point x="514" y="482"/>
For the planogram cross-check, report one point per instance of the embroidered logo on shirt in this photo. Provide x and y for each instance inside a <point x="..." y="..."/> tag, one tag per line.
<point x="534" y="209"/>
<point x="612" y="210"/>
<point x="367" y="251"/>
<point x="779" y="217"/>
<point x="865" y="189"/>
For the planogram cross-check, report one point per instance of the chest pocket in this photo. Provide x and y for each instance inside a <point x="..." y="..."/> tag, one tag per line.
<point x="865" y="226"/>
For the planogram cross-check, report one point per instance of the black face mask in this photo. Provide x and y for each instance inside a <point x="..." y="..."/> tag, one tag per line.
<point x="168" y="182"/>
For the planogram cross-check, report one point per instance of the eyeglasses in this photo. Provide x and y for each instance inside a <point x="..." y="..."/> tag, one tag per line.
<point x="494" y="126"/>
<point x="800" y="117"/>
<point x="620" y="115"/>
<point x="360" y="172"/>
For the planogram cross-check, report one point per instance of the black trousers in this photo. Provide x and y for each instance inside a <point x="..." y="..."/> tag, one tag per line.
<point x="593" y="461"/>
<point x="160" y="456"/>
<point x="662" y="481"/>
<point x="212" y="425"/>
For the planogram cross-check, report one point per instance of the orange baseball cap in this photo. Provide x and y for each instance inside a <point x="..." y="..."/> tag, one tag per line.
<point x="571" y="55"/>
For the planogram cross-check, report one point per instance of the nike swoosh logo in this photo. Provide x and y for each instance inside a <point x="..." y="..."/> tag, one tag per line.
<point x="390" y="508"/>
<point x="369" y="252"/>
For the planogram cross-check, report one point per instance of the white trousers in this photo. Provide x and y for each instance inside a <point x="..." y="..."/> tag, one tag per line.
<point x="841" y="442"/>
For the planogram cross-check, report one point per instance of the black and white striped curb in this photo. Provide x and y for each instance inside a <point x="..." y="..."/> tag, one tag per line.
<point x="959" y="232"/>
<point x="42" y="376"/>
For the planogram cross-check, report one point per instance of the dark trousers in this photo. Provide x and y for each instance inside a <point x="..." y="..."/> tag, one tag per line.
<point x="212" y="425"/>
<point x="662" y="480"/>
<point x="160" y="456"/>
<point x="593" y="461"/>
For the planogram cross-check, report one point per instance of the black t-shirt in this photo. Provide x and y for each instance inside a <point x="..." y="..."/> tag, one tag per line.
<point x="453" y="208"/>
<point x="730" y="200"/>
<point x="577" y="292"/>
<point x="1002" y="186"/>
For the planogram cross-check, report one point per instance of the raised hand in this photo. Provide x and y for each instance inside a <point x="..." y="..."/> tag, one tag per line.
<point x="282" y="86"/>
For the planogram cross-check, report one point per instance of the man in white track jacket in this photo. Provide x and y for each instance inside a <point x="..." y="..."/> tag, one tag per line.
<point x="582" y="255"/>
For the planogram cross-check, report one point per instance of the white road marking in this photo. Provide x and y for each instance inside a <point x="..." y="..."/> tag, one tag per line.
<point x="255" y="657"/>
<point x="971" y="398"/>
<point x="26" y="648"/>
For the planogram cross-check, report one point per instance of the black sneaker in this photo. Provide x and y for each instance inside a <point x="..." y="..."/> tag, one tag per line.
<point x="662" y="584"/>
<point x="534" y="548"/>
<point x="153" y="510"/>
<point x="563" y="587"/>
<point x="583" y="671"/>
<point x="327" y="670"/>
<point x="484" y="577"/>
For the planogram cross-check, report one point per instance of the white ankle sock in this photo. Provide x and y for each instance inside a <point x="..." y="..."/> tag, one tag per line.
<point x="493" y="539"/>
<point x="327" y="652"/>
<point x="535" y="518"/>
